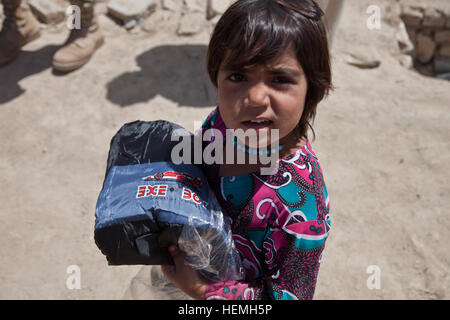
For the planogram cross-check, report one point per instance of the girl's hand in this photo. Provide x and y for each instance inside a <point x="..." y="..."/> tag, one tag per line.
<point x="184" y="276"/>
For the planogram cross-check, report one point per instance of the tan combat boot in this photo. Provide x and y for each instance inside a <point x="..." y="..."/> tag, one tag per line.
<point x="82" y="43"/>
<point x="19" y="28"/>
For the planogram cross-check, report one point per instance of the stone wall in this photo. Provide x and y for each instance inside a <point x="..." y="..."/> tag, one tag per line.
<point x="190" y="16"/>
<point x="428" y="30"/>
<point x="191" y="13"/>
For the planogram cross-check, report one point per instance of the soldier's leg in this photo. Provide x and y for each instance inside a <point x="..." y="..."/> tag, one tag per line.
<point x="19" y="28"/>
<point x="82" y="43"/>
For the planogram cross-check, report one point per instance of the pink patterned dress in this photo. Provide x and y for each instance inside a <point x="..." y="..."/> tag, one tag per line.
<point x="280" y="225"/>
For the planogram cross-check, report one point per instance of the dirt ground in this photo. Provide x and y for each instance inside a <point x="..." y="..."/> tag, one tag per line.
<point x="382" y="137"/>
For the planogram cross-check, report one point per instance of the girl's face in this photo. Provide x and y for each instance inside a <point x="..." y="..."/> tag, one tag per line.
<point x="274" y="93"/>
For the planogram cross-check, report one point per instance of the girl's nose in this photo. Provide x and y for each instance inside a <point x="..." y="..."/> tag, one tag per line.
<point x="257" y="95"/>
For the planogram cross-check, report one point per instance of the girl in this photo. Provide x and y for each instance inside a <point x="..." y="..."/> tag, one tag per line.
<point x="269" y="61"/>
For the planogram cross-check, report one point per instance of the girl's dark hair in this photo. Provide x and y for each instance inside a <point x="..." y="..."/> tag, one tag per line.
<point x="255" y="32"/>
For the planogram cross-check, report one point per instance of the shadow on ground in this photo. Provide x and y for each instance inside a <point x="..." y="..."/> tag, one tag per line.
<point x="175" y="72"/>
<point x="26" y="64"/>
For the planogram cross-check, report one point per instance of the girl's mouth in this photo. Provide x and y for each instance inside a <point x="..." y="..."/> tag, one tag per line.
<point x="257" y="124"/>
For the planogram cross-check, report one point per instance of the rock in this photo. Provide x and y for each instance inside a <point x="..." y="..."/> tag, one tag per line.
<point x="412" y="16"/>
<point x="195" y="5"/>
<point x="190" y="23"/>
<point x="442" y="36"/>
<point x="126" y="10"/>
<point x="425" y="69"/>
<point x="130" y="24"/>
<point x="406" y="61"/>
<point x="442" y="65"/>
<point x="433" y="18"/>
<point x="445" y="76"/>
<point x="48" y="11"/>
<point x="444" y="50"/>
<point x="361" y="61"/>
<point x="403" y="40"/>
<point x="172" y="5"/>
<point x="162" y="20"/>
<point x="216" y="7"/>
<point x="425" y="48"/>
<point x="412" y="34"/>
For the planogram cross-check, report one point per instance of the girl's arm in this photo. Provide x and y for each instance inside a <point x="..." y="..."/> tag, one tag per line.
<point x="291" y="273"/>
<point x="192" y="283"/>
<point x="291" y="268"/>
<point x="183" y="276"/>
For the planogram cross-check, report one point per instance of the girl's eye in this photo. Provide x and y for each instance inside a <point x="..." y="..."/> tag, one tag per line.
<point x="237" y="77"/>
<point x="281" y="80"/>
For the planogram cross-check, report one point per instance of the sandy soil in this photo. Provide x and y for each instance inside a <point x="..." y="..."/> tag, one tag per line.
<point x="382" y="138"/>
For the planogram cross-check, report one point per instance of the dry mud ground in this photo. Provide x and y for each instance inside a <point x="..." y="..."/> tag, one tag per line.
<point x="382" y="139"/>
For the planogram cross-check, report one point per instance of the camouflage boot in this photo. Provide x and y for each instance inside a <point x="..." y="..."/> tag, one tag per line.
<point x="82" y="43"/>
<point x="19" y="28"/>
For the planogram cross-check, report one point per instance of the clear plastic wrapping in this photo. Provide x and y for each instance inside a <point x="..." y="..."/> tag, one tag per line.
<point x="211" y="251"/>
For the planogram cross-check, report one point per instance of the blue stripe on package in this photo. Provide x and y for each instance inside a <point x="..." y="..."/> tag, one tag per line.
<point x="146" y="206"/>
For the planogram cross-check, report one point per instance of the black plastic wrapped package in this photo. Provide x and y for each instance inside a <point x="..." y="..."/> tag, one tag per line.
<point x="149" y="202"/>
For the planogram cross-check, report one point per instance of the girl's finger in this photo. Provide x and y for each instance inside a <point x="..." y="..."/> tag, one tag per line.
<point x="177" y="256"/>
<point x="173" y="250"/>
<point x="168" y="271"/>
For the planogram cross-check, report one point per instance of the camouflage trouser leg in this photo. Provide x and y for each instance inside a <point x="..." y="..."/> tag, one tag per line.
<point x="87" y="11"/>
<point x="13" y="4"/>
<point x="18" y="27"/>
<point x="17" y="3"/>
<point x="83" y="41"/>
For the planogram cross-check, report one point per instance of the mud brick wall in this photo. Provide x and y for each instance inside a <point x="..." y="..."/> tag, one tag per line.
<point x="429" y="31"/>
